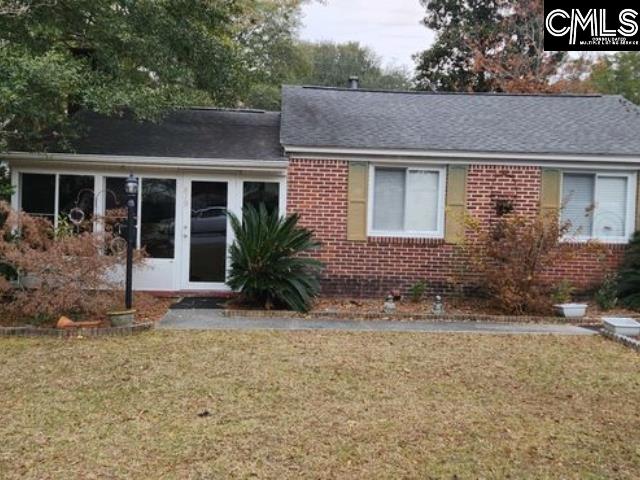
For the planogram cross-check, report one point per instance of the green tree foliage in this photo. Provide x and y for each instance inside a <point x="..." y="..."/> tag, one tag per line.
<point x="448" y="64"/>
<point x="331" y="64"/>
<point x="266" y="262"/>
<point x="327" y="64"/>
<point x="146" y="55"/>
<point x="6" y="189"/>
<point x="618" y="74"/>
<point x="629" y="275"/>
<point x="276" y="57"/>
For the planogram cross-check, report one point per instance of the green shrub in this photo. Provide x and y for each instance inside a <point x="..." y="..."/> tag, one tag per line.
<point x="607" y="295"/>
<point x="416" y="291"/>
<point x="267" y="267"/>
<point x="629" y="275"/>
<point x="563" y="292"/>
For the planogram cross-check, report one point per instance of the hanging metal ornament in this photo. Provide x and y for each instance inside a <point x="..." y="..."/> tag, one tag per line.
<point x="118" y="245"/>
<point x="76" y="216"/>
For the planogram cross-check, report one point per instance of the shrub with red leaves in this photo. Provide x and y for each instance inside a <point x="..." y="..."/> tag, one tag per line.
<point x="57" y="271"/>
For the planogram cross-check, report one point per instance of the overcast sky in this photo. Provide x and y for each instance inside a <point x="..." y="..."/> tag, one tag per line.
<point x="391" y="27"/>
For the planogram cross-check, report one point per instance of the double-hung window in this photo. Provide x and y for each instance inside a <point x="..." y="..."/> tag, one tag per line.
<point x="407" y="202"/>
<point x="598" y="205"/>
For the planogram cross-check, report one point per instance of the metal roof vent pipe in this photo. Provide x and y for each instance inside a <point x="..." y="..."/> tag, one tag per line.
<point x="354" y="82"/>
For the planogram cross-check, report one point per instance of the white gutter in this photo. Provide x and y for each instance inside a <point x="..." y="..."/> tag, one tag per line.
<point x="457" y="156"/>
<point x="152" y="162"/>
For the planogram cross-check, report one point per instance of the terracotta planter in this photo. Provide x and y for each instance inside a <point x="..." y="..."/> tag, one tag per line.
<point x="65" y="322"/>
<point x="123" y="318"/>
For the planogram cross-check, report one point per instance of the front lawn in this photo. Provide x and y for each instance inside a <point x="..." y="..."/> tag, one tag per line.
<point x="319" y="405"/>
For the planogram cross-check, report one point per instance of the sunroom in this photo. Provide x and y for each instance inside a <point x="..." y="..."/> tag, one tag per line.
<point x="191" y="172"/>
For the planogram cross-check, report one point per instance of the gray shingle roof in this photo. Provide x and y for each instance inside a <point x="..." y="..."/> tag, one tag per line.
<point x="503" y="123"/>
<point x="194" y="133"/>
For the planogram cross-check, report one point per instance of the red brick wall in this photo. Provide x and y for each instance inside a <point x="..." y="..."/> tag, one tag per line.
<point x="317" y="189"/>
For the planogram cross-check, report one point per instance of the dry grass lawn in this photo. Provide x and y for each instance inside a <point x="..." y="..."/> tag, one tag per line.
<point x="319" y="405"/>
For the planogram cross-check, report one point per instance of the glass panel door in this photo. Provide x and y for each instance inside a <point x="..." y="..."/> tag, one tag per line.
<point x="208" y="239"/>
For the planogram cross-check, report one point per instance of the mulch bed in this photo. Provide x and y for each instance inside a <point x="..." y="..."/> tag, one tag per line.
<point x="456" y="310"/>
<point x="452" y="305"/>
<point x="149" y="309"/>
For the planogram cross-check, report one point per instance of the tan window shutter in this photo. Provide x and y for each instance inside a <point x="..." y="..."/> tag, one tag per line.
<point x="456" y="204"/>
<point x="550" y="191"/>
<point x="357" y="199"/>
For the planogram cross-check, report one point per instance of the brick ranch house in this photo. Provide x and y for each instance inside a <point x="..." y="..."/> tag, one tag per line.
<point x="381" y="177"/>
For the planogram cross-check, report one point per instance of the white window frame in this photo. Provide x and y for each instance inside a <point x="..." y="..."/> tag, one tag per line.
<point x="630" y="210"/>
<point x="56" y="201"/>
<point x="442" y="182"/>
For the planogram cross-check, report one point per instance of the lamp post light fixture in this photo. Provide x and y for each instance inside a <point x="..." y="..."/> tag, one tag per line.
<point x="131" y="190"/>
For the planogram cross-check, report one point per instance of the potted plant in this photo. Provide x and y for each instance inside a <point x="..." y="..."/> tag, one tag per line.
<point x="121" y="318"/>
<point x="562" y="301"/>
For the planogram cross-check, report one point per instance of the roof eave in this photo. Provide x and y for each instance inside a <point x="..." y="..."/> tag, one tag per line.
<point x="148" y="161"/>
<point x="458" y="155"/>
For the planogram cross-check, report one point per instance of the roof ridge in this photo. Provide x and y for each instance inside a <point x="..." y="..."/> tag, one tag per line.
<point x="226" y="109"/>
<point x="426" y="92"/>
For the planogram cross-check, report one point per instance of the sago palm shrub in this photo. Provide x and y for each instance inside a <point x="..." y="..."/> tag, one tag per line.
<point x="267" y="267"/>
<point x="629" y="275"/>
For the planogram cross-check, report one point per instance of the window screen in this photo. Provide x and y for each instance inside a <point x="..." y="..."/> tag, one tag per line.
<point x="611" y="207"/>
<point x="422" y="201"/>
<point x="578" y="203"/>
<point x="388" y="211"/>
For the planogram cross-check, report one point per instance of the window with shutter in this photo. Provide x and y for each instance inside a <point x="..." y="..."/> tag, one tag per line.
<point x="598" y="205"/>
<point x="407" y="202"/>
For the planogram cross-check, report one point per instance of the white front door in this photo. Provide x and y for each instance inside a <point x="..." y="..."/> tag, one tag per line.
<point x="206" y="231"/>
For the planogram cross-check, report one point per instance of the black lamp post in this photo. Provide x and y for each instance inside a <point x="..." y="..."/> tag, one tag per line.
<point x="131" y="190"/>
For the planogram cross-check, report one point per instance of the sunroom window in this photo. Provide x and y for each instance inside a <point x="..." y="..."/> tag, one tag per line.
<point x="75" y="197"/>
<point x="597" y="206"/>
<point x="157" y="203"/>
<point x="256" y="193"/>
<point x="407" y="202"/>
<point x="38" y="195"/>
<point x="157" y="225"/>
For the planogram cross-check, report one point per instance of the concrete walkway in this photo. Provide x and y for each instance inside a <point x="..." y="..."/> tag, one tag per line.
<point x="214" y="320"/>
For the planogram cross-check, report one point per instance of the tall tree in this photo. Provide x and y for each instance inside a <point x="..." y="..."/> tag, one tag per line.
<point x="448" y="64"/>
<point x="148" y="56"/>
<point x="618" y="74"/>
<point x="276" y="57"/>
<point x="333" y="63"/>
<point x="326" y="64"/>
<point x="493" y="45"/>
<point x="513" y="57"/>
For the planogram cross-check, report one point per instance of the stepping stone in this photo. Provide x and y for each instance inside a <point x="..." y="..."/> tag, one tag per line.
<point x="621" y="326"/>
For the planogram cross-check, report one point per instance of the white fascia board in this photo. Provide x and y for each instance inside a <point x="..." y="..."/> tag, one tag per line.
<point x="429" y="156"/>
<point x="149" y="162"/>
